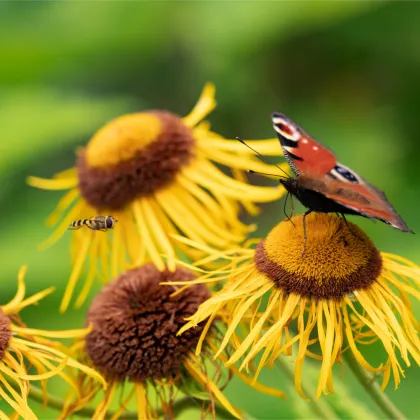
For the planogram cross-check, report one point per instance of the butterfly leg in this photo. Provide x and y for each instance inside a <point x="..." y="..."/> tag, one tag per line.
<point x="304" y="231"/>
<point x="284" y="209"/>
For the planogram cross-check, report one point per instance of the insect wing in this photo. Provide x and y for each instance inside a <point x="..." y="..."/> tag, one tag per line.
<point x="302" y="152"/>
<point x="367" y="200"/>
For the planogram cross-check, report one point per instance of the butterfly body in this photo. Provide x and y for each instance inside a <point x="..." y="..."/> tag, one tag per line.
<point x="324" y="185"/>
<point x="312" y="199"/>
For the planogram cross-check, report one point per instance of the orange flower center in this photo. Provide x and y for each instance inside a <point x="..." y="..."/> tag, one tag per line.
<point x="338" y="258"/>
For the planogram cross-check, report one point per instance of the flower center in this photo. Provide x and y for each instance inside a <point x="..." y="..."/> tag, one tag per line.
<point x="133" y="155"/>
<point x="5" y="333"/>
<point x="135" y="323"/>
<point x="338" y="258"/>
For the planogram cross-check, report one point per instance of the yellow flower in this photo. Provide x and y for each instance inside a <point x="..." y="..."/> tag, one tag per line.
<point x="134" y="343"/>
<point x="156" y="174"/>
<point x="28" y="355"/>
<point x="341" y="294"/>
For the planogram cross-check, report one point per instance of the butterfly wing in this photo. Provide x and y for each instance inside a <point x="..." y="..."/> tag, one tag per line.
<point x="318" y="170"/>
<point x="302" y="152"/>
<point x="368" y="201"/>
<point x="357" y="195"/>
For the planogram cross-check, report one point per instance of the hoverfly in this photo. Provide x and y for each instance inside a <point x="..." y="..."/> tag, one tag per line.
<point x="102" y="223"/>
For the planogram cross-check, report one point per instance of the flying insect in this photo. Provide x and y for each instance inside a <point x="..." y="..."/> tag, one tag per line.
<point x="101" y="223"/>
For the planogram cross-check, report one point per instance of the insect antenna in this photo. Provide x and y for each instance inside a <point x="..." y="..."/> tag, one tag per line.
<point x="251" y="171"/>
<point x="265" y="158"/>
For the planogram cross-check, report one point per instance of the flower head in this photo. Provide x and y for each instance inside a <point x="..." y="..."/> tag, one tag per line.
<point x="28" y="355"/>
<point x="341" y="294"/>
<point x="134" y="322"/>
<point x="134" y="343"/>
<point x="156" y="173"/>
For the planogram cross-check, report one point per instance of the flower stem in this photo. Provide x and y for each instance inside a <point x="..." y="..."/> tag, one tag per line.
<point x="372" y="388"/>
<point x="319" y="407"/>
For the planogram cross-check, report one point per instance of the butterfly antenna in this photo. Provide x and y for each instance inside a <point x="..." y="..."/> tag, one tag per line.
<point x="251" y="171"/>
<point x="264" y="157"/>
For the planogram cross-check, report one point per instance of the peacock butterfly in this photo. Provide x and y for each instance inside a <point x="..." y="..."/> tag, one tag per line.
<point x="324" y="185"/>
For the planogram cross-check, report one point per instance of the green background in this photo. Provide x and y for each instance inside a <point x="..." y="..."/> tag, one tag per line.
<point x="348" y="72"/>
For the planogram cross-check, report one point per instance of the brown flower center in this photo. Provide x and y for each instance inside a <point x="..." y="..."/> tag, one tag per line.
<point x="5" y="333"/>
<point x="131" y="156"/>
<point x="338" y="258"/>
<point x="135" y="322"/>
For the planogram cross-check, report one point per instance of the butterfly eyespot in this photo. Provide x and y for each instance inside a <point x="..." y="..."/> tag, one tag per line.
<point x="346" y="173"/>
<point x="285" y="129"/>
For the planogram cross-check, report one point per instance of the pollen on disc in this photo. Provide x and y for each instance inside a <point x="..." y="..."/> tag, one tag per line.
<point x="338" y="257"/>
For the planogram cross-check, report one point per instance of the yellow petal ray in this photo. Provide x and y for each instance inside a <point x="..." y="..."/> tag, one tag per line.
<point x="268" y="147"/>
<point x="23" y="409"/>
<point x="231" y="210"/>
<point x="146" y="235"/>
<point x="338" y="326"/>
<point x="20" y="293"/>
<point x="159" y="234"/>
<point x="201" y="195"/>
<point x="76" y="333"/>
<point x="327" y="349"/>
<point x="52" y="184"/>
<point x="34" y="299"/>
<point x="201" y="246"/>
<point x="208" y="219"/>
<point x="62" y="205"/>
<point x="250" y="207"/>
<point x="255" y="332"/>
<point x="190" y="222"/>
<point x="178" y="219"/>
<point x="3" y="416"/>
<point x="378" y="324"/>
<point x="402" y="270"/>
<point x="123" y="405"/>
<point x="238" y="315"/>
<point x="240" y="161"/>
<point x="291" y="303"/>
<point x="102" y="408"/>
<point x="116" y="248"/>
<point x="75" y="274"/>
<point x="141" y="402"/>
<point x="135" y="246"/>
<point x="258" y="386"/>
<point x="389" y="258"/>
<point x="210" y="385"/>
<point x="16" y="376"/>
<point x="103" y="251"/>
<point x="41" y="376"/>
<point x="20" y="403"/>
<point x="349" y="334"/>
<point x="206" y="330"/>
<point x="91" y="275"/>
<point x="393" y="322"/>
<point x="206" y="103"/>
<point x="413" y="342"/>
<point x="215" y="180"/>
<point x="59" y="231"/>
<point x="66" y="173"/>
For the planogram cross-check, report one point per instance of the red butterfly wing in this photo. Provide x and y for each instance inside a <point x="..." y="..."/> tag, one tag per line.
<point x="302" y="152"/>
<point x="318" y="170"/>
<point x="370" y="202"/>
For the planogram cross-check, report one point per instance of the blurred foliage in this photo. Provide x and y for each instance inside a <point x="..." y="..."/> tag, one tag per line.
<point x="346" y="71"/>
